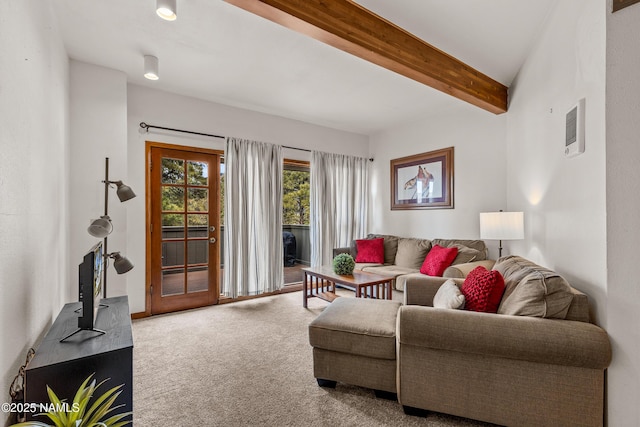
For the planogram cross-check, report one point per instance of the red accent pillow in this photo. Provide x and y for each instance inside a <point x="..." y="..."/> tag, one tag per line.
<point x="482" y="290"/>
<point x="370" y="250"/>
<point x="437" y="260"/>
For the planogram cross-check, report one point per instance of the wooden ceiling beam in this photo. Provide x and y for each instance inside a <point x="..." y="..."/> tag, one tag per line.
<point x="358" y="31"/>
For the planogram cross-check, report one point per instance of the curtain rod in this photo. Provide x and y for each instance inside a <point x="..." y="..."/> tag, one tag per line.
<point x="143" y="125"/>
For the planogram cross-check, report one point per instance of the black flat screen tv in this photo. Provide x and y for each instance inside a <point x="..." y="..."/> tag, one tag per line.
<point x="90" y="274"/>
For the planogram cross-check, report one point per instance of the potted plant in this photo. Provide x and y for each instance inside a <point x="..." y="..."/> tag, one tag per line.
<point x="86" y="410"/>
<point x="343" y="264"/>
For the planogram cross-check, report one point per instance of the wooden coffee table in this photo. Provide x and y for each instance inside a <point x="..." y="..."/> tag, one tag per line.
<point x="321" y="282"/>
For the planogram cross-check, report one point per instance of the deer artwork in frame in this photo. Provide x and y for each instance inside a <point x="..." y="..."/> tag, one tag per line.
<point x="423" y="181"/>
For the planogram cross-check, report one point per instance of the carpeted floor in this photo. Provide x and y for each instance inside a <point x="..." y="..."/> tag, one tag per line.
<point x="248" y="364"/>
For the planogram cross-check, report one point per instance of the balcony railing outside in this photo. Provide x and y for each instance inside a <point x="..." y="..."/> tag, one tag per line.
<point x="173" y="252"/>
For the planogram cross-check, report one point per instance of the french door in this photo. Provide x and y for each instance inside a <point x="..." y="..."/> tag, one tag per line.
<point x="184" y="228"/>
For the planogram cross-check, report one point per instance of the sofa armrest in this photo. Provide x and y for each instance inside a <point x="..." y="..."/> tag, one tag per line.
<point x="534" y="339"/>
<point x="460" y="271"/>
<point x="420" y="290"/>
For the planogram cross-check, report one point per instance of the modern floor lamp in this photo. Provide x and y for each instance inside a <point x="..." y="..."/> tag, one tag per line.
<point x="102" y="226"/>
<point x="501" y="226"/>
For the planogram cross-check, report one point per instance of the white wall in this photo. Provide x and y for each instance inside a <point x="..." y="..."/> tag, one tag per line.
<point x="564" y="199"/>
<point x="623" y="222"/>
<point x="34" y="116"/>
<point x="98" y="101"/>
<point x="478" y="139"/>
<point x="164" y="109"/>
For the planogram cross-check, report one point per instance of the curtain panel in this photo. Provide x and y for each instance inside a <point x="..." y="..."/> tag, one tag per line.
<point x="253" y="255"/>
<point x="339" y="203"/>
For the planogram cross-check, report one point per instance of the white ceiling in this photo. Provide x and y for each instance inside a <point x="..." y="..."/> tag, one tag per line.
<point x="218" y="52"/>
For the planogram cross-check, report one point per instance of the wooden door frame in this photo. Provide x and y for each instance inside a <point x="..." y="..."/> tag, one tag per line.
<point x="148" y="146"/>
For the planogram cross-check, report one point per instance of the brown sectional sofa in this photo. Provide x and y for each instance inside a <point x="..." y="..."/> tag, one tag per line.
<point x="403" y="257"/>
<point x="543" y="364"/>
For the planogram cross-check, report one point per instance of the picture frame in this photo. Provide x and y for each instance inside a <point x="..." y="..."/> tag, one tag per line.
<point x="423" y="181"/>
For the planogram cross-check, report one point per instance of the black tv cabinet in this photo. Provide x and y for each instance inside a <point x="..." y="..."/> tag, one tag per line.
<point x="63" y="366"/>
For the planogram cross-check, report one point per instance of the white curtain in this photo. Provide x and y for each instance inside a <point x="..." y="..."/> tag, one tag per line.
<point x="253" y="255"/>
<point x="339" y="203"/>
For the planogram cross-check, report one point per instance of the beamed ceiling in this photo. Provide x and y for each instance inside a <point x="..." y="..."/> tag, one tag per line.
<point x="358" y="66"/>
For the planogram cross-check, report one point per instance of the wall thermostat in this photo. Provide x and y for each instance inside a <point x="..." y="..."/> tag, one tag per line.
<point x="574" y="138"/>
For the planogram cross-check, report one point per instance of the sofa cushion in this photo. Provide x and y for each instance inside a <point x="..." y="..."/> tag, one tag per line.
<point x="437" y="260"/>
<point x="390" y="246"/>
<point x="466" y="254"/>
<point x="448" y="296"/>
<point x="357" y="326"/>
<point x="364" y="265"/>
<point x="532" y="290"/>
<point x="370" y="250"/>
<point x="478" y="245"/>
<point x="482" y="290"/>
<point x="412" y="252"/>
<point x="579" y="308"/>
<point x="460" y="271"/>
<point x="389" y="270"/>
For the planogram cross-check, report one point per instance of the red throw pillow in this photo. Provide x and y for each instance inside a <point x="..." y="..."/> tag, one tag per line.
<point x="370" y="250"/>
<point x="437" y="260"/>
<point x="482" y="290"/>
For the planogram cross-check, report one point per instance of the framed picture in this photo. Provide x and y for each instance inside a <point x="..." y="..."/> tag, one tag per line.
<point x="423" y="181"/>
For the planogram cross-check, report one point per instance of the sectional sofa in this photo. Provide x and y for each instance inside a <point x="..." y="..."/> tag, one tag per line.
<point x="538" y="361"/>
<point x="404" y="256"/>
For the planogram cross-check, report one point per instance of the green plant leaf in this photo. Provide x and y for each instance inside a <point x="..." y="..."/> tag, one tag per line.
<point x="59" y="418"/>
<point x="31" y="424"/>
<point x="114" y="421"/>
<point x="102" y="405"/>
<point x="81" y="399"/>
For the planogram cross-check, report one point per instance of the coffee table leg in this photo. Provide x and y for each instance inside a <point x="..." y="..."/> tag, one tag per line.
<point x="304" y="290"/>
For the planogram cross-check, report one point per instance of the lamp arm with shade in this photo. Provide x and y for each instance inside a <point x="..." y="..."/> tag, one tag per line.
<point x="501" y="226"/>
<point x="102" y="226"/>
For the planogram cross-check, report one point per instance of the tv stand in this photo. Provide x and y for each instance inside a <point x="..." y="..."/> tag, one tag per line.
<point x="63" y="366"/>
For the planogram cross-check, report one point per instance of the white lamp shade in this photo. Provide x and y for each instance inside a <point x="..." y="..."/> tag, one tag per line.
<point x="167" y="9"/>
<point x="502" y="225"/>
<point x="101" y="227"/>
<point x="151" y="67"/>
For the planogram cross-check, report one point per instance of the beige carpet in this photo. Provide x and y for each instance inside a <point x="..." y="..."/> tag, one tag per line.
<point x="248" y="364"/>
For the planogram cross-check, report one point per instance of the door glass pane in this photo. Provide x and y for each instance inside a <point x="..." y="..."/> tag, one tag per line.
<point x="172" y="220"/>
<point x="198" y="251"/>
<point x="197" y="173"/>
<point x="172" y="226"/>
<point x="173" y="253"/>
<point x="173" y="282"/>
<point x="198" y="200"/>
<point x="198" y="225"/>
<point x="197" y="279"/>
<point x="172" y="171"/>
<point x="172" y="199"/>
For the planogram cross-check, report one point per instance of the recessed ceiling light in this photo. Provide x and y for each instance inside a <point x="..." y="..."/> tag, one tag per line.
<point x="167" y="9"/>
<point x="151" y="67"/>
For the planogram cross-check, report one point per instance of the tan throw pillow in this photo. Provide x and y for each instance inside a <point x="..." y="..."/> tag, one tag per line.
<point x="532" y="290"/>
<point x="478" y="245"/>
<point x="448" y="296"/>
<point x="465" y="255"/>
<point x="412" y="252"/>
<point x="390" y="246"/>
